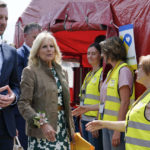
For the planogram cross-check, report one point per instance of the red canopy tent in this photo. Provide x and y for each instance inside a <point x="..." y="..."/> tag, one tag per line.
<point x="67" y="20"/>
<point x="76" y="23"/>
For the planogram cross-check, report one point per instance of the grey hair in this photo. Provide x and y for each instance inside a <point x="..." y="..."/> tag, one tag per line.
<point x="31" y="26"/>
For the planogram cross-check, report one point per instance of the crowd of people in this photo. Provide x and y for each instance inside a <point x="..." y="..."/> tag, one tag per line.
<point x="35" y="98"/>
<point x="137" y="123"/>
<point x="116" y="93"/>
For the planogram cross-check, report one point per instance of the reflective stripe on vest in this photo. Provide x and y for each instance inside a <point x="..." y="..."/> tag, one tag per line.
<point x="111" y="112"/>
<point x="135" y="141"/>
<point x="92" y="94"/>
<point x="112" y="103"/>
<point x="138" y="127"/>
<point x="113" y="99"/>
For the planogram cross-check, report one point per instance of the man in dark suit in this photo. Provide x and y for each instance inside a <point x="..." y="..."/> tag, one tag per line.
<point x="9" y="86"/>
<point x="30" y="33"/>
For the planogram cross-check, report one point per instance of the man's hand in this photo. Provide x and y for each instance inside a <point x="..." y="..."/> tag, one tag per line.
<point x="6" y="100"/>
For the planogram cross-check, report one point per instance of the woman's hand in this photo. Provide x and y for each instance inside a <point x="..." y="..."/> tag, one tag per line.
<point x="48" y="132"/>
<point x="79" y="111"/>
<point x="94" y="125"/>
<point x="116" y="138"/>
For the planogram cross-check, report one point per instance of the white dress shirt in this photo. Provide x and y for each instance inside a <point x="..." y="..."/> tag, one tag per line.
<point x="1" y="56"/>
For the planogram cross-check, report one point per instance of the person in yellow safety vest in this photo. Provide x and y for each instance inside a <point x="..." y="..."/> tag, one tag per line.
<point x="137" y="123"/>
<point x="90" y="95"/>
<point x="117" y="91"/>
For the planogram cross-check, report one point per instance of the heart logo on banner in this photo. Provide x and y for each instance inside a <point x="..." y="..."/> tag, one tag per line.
<point x="128" y="39"/>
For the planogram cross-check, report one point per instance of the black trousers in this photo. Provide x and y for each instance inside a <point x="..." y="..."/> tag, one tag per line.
<point x="6" y="142"/>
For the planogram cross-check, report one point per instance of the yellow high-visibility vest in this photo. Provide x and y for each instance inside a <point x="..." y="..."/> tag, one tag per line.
<point x="112" y="103"/>
<point x="92" y="94"/>
<point x="137" y="126"/>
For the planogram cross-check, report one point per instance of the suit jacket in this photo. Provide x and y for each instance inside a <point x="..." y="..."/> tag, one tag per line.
<point x="9" y="76"/>
<point x="39" y="93"/>
<point x="23" y="54"/>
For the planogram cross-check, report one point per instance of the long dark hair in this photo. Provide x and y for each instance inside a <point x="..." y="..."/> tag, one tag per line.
<point x="98" y="47"/>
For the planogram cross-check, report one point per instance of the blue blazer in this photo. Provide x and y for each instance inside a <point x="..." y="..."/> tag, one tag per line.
<point x="23" y="54"/>
<point x="9" y="76"/>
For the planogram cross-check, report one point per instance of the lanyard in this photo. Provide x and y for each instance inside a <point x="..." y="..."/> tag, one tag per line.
<point x="88" y="79"/>
<point x="113" y="70"/>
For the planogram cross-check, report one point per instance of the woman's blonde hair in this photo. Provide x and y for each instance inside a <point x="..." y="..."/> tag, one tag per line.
<point x="33" y="57"/>
<point x="145" y="64"/>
